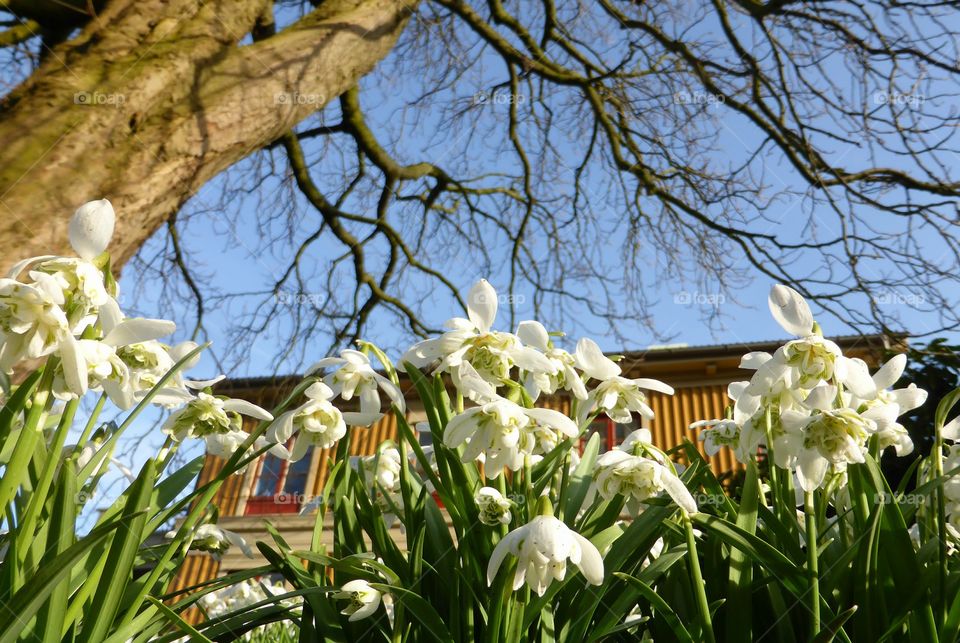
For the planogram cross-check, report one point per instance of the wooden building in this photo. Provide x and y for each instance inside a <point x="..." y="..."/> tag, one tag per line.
<point x="276" y="490"/>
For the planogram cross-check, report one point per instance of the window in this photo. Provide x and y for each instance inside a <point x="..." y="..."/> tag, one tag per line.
<point x="279" y="486"/>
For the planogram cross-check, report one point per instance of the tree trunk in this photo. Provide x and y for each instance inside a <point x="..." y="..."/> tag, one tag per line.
<point x="155" y="97"/>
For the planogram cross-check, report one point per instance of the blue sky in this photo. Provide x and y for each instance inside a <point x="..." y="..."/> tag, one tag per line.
<point x="226" y="239"/>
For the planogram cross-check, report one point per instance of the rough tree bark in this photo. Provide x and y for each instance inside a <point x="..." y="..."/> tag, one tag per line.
<point x="152" y="98"/>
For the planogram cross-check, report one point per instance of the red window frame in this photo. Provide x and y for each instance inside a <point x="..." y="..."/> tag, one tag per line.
<point x="280" y="501"/>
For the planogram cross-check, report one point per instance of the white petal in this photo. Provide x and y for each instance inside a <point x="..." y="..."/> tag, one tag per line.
<point x="281" y="430"/>
<point x="811" y="469"/>
<point x="392" y="391"/>
<point x="654" y="385"/>
<point x="889" y="373"/>
<point x="482" y="305"/>
<point x="500" y="552"/>
<point x="361" y="419"/>
<point x="91" y="228"/>
<point x="199" y="385"/>
<point x="678" y="491"/>
<point x="74" y="365"/>
<point x="790" y="310"/>
<point x="754" y="360"/>
<point x="110" y="315"/>
<point x="367" y="609"/>
<point x="554" y="419"/>
<point x="183" y="349"/>
<point x="533" y="333"/>
<point x="821" y="398"/>
<point x="591" y="360"/>
<point x="857" y="378"/>
<point x="247" y="408"/>
<point x="909" y="398"/>
<point x="530" y="359"/>
<point x="326" y="362"/>
<point x="951" y="430"/>
<point x="236" y="539"/>
<point x="318" y="391"/>
<point x="591" y="562"/>
<point x="137" y="330"/>
<point x="461" y="427"/>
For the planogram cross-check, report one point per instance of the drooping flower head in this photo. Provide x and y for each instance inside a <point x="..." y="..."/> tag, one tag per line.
<point x="542" y="548"/>
<point x="364" y="599"/>
<point x="492" y="354"/>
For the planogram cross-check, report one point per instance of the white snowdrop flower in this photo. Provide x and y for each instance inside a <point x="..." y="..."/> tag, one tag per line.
<point x="364" y="599"/>
<point x="542" y="548"/>
<point x="209" y="415"/>
<point x="491" y="353"/>
<point x="494" y="508"/>
<point x="716" y="434"/>
<point x="316" y="422"/>
<point x="562" y="375"/>
<point x="617" y="396"/>
<point x="91" y="228"/>
<point x="638" y="471"/>
<point x="355" y="376"/>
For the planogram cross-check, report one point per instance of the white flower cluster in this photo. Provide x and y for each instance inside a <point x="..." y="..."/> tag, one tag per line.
<point x="814" y="408"/>
<point x="245" y="594"/>
<point x="66" y="307"/>
<point x="488" y="367"/>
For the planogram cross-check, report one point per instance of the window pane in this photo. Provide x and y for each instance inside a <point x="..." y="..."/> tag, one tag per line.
<point x="297" y="474"/>
<point x="269" y="481"/>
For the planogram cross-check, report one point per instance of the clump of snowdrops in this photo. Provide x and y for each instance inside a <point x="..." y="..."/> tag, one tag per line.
<point x="510" y="532"/>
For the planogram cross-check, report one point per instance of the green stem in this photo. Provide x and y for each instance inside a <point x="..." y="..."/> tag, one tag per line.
<point x="941" y="526"/>
<point x="696" y="577"/>
<point x="771" y="465"/>
<point x="91" y="421"/>
<point x="812" y="559"/>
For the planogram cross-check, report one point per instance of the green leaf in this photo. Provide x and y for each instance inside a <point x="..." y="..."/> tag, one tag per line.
<point x="740" y="585"/>
<point x="51" y="617"/>
<point x="24" y="605"/>
<point x="181" y="624"/>
<point x="659" y="607"/>
<point x="119" y="568"/>
<point x="419" y="608"/>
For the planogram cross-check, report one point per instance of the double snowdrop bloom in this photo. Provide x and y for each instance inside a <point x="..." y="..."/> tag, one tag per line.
<point x="617" y="396"/>
<point x="826" y="436"/>
<point x="639" y="471"/>
<point x="31" y="320"/>
<point x="503" y="432"/>
<point x="216" y="420"/>
<point x="355" y="376"/>
<point x="563" y="374"/>
<point x="63" y="296"/>
<point x="364" y="599"/>
<point x="716" y="434"/>
<point x="493" y="507"/>
<point x="216" y="540"/>
<point x="806" y="362"/>
<point x="316" y="422"/>
<point x="491" y="353"/>
<point x="542" y="548"/>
